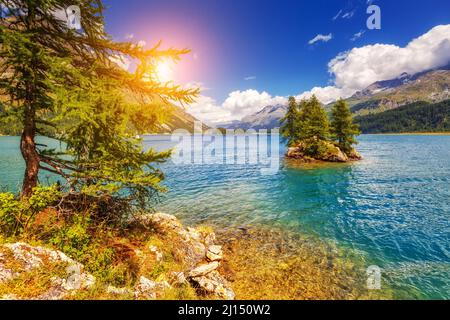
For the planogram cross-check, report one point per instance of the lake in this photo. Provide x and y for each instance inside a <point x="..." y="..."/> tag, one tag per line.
<point x="393" y="208"/>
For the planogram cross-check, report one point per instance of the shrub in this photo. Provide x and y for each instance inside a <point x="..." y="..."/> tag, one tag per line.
<point x="10" y="213"/>
<point x="72" y="237"/>
<point x="43" y="197"/>
<point x="16" y="215"/>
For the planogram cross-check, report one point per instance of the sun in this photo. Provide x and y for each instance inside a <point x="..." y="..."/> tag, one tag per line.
<point x="164" y="71"/>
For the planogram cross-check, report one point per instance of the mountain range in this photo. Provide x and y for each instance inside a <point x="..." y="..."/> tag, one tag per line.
<point x="268" y="118"/>
<point x="429" y="87"/>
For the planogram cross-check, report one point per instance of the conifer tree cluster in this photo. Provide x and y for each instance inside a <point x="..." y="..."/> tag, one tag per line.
<point x="308" y="123"/>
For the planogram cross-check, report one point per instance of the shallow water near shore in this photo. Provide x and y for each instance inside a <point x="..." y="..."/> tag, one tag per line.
<point x="391" y="210"/>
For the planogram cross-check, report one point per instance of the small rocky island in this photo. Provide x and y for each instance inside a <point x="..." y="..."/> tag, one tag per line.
<point x="315" y="136"/>
<point x="330" y="153"/>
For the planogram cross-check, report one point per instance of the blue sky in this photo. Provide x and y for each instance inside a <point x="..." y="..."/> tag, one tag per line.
<point x="240" y="45"/>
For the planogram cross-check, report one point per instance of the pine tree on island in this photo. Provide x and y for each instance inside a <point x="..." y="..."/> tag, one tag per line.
<point x="344" y="131"/>
<point x="289" y="129"/>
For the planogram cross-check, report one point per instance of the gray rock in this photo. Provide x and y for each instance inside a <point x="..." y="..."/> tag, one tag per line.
<point x="336" y="155"/>
<point x="177" y="279"/>
<point x="148" y="289"/>
<point x="158" y="254"/>
<point x="190" y="241"/>
<point x="31" y="258"/>
<point x="210" y="239"/>
<point x="118" y="291"/>
<point x="214" y="253"/>
<point x="214" y="283"/>
<point x="159" y="221"/>
<point x="355" y="155"/>
<point x="295" y="153"/>
<point x="203" y="269"/>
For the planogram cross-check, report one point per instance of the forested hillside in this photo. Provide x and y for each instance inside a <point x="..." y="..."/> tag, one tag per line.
<point x="416" y="117"/>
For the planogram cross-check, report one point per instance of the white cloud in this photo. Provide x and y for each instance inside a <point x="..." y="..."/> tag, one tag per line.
<point x="250" y="78"/>
<point x="326" y="94"/>
<point x="321" y="37"/>
<point x="242" y="103"/>
<point x="237" y="105"/>
<point x="209" y="111"/>
<point x="360" y="67"/>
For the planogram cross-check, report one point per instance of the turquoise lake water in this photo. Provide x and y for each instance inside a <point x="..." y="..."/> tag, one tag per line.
<point x="393" y="208"/>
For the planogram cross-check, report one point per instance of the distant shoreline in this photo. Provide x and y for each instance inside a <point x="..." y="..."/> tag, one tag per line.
<point x="366" y="134"/>
<point x="411" y="134"/>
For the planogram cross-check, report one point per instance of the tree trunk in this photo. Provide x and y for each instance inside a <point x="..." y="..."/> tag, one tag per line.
<point x="29" y="154"/>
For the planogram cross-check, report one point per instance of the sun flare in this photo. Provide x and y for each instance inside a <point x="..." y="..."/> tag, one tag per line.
<point x="164" y="71"/>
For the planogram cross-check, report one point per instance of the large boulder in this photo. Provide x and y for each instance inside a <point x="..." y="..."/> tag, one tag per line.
<point x="331" y="153"/>
<point x="295" y="152"/>
<point x="354" y="155"/>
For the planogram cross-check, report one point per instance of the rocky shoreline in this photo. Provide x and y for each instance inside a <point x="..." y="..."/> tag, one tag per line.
<point x="197" y="251"/>
<point x="248" y="263"/>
